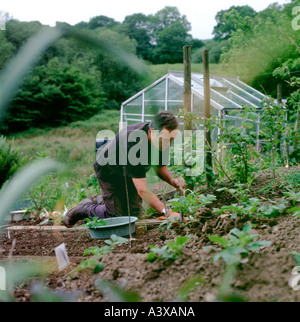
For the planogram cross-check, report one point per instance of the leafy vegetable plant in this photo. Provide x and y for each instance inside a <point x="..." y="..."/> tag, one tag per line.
<point x="237" y="245"/>
<point x="170" y="251"/>
<point x="190" y="203"/>
<point x="98" y="253"/>
<point x="95" y="222"/>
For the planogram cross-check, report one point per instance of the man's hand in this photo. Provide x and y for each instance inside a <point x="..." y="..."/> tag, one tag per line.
<point x="175" y="216"/>
<point x="178" y="183"/>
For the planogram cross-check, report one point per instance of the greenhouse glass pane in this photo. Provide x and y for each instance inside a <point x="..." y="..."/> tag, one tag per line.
<point x="133" y="109"/>
<point x="174" y="107"/>
<point x="222" y="100"/>
<point x="244" y="94"/>
<point x="136" y="101"/>
<point x="153" y="108"/>
<point x="248" y="89"/>
<point x="157" y="92"/>
<point x="213" y="111"/>
<point x="198" y="105"/>
<point x="175" y="92"/>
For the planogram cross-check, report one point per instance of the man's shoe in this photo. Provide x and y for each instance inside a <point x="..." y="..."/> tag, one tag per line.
<point x="77" y="213"/>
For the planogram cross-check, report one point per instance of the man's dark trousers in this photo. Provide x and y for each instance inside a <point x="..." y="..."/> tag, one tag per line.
<point x="114" y="197"/>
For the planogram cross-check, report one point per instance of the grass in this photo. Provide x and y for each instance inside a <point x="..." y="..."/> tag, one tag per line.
<point x="73" y="145"/>
<point x="158" y="71"/>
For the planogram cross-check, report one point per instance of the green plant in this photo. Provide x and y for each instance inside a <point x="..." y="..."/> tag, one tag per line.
<point x="94" y="223"/>
<point x="238" y="244"/>
<point x="240" y="192"/>
<point x="46" y="194"/>
<point x="272" y="210"/>
<point x="250" y="208"/>
<point x="273" y="118"/>
<point x="241" y="140"/>
<point x="189" y="204"/>
<point x="170" y="251"/>
<point x="254" y="207"/>
<point x="294" y="197"/>
<point x="98" y="252"/>
<point x="168" y="223"/>
<point x="116" y="240"/>
<point x="10" y="160"/>
<point x="92" y="263"/>
<point x="295" y="210"/>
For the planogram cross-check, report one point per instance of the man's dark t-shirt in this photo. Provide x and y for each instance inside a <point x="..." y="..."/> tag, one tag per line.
<point x="132" y="149"/>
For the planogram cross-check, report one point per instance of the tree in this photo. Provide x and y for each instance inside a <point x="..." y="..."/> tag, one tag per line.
<point x="7" y="49"/>
<point x="170" y="42"/>
<point x="18" y="32"/>
<point x="54" y="94"/>
<point x="139" y="27"/>
<point x="170" y="34"/>
<point x="260" y="45"/>
<point x="101" y="21"/>
<point x="226" y="25"/>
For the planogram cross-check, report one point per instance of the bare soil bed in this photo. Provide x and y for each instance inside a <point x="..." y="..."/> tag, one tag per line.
<point x="264" y="277"/>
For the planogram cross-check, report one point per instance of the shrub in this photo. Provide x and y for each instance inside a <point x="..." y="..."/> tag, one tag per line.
<point x="10" y="160"/>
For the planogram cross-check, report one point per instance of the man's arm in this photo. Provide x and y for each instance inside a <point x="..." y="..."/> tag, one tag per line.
<point x="164" y="174"/>
<point x="151" y="198"/>
<point x="148" y="195"/>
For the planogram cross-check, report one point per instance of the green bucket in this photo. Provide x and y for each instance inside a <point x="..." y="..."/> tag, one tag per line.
<point x="115" y="226"/>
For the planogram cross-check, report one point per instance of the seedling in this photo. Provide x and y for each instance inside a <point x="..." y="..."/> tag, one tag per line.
<point x="295" y="210"/>
<point x="116" y="240"/>
<point x="272" y="210"/>
<point x="91" y="263"/>
<point x="98" y="253"/>
<point x="168" y="223"/>
<point x="171" y="251"/>
<point x="189" y="204"/>
<point x="253" y="207"/>
<point x="95" y="222"/>
<point x="238" y="244"/>
<point x="294" y="197"/>
<point x="240" y="192"/>
<point x="236" y="209"/>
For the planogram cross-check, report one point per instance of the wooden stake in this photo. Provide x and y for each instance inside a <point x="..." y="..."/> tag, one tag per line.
<point x="207" y="135"/>
<point x="187" y="83"/>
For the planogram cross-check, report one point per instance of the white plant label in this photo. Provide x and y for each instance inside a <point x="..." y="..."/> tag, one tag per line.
<point x="62" y="257"/>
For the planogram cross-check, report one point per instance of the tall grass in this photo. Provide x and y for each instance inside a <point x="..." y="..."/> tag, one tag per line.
<point x="73" y="145"/>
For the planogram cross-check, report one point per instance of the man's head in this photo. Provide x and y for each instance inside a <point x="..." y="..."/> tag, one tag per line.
<point x="163" y="129"/>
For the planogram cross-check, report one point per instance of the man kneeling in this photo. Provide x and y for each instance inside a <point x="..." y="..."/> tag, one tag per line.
<point x="121" y="168"/>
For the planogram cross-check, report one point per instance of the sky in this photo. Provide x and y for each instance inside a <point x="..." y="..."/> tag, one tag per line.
<point x="201" y="14"/>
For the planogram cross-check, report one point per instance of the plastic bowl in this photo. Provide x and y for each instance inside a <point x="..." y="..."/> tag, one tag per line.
<point x="116" y="225"/>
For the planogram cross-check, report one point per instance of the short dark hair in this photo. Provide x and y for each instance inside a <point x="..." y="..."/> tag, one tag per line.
<point x="164" y="119"/>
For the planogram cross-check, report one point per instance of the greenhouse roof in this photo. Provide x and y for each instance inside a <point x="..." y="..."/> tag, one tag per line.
<point x="226" y="93"/>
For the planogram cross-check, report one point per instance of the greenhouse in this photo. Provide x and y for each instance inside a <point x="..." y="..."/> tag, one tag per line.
<point x="228" y="95"/>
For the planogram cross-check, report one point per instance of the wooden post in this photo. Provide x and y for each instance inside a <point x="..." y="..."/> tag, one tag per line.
<point x="187" y="83"/>
<point x="207" y="135"/>
<point x="279" y="102"/>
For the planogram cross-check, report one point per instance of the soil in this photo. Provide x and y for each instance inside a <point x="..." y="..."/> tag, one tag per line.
<point x="264" y="276"/>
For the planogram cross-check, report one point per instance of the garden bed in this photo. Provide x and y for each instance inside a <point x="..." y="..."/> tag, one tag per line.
<point x="264" y="276"/>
